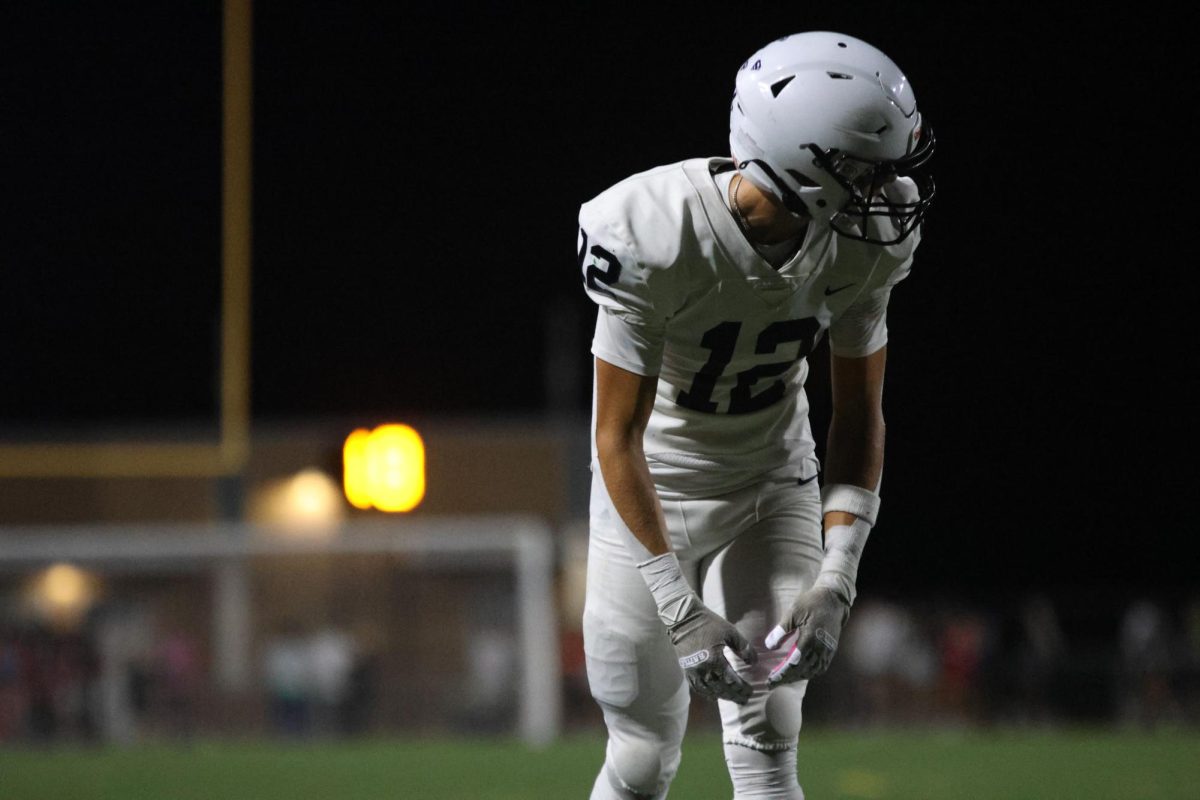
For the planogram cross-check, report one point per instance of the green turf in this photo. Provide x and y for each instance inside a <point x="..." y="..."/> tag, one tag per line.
<point x="866" y="766"/>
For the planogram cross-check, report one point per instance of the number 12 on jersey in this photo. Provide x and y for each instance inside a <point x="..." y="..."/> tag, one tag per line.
<point x="721" y="339"/>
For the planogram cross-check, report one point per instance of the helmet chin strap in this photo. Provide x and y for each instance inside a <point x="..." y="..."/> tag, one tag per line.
<point x="769" y="221"/>
<point x="790" y="200"/>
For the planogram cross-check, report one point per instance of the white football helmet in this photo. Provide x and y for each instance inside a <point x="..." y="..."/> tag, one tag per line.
<point x="823" y="121"/>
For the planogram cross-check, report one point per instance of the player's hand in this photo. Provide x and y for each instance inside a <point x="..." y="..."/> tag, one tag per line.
<point x="818" y="615"/>
<point x="700" y="638"/>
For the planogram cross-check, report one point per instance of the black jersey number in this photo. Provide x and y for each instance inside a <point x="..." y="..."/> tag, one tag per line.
<point x="721" y="340"/>
<point x="594" y="275"/>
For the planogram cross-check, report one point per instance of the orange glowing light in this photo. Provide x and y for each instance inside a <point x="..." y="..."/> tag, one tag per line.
<point x="354" y="471"/>
<point x="385" y="468"/>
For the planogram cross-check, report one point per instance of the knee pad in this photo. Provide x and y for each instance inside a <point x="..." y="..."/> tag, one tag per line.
<point x="642" y="766"/>
<point x="607" y="787"/>
<point x="644" y="747"/>
<point x="636" y="771"/>
<point x="770" y="720"/>
<point x="642" y="760"/>
<point x="762" y="774"/>
<point x="760" y="743"/>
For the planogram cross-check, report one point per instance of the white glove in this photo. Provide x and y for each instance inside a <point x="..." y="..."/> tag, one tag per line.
<point x="700" y="636"/>
<point x="820" y="613"/>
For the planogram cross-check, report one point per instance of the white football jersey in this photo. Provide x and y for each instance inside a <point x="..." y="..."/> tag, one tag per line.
<point x="683" y="295"/>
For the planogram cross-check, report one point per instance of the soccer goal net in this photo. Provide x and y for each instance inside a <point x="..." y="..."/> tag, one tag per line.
<point x="398" y="626"/>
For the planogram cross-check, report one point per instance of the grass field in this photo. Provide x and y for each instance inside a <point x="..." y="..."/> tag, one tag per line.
<point x="870" y="766"/>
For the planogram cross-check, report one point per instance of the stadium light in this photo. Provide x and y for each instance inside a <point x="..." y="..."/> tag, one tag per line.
<point x="311" y="497"/>
<point x="354" y="469"/>
<point x="384" y="468"/>
<point x="307" y="503"/>
<point x="63" y="593"/>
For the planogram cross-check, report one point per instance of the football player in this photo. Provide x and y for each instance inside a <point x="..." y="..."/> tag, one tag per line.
<point x="715" y="560"/>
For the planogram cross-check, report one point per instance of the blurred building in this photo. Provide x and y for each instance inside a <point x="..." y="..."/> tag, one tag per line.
<point x="344" y="633"/>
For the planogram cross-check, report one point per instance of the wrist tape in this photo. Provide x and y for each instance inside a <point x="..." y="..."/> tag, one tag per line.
<point x="862" y="503"/>
<point x="843" y="548"/>
<point x="672" y="594"/>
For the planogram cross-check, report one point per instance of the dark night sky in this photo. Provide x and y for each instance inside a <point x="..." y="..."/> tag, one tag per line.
<point x="417" y="179"/>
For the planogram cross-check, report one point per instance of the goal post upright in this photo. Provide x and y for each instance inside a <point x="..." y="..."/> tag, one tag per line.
<point x="236" y="219"/>
<point x="227" y="457"/>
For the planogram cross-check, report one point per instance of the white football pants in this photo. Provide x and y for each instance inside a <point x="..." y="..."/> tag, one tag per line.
<point x="748" y="554"/>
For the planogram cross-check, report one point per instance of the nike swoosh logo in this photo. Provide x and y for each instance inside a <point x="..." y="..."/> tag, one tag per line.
<point x="803" y="481"/>
<point x="829" y="291"/>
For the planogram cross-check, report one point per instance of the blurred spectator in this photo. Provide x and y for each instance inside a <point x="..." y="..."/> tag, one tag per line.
<point x="488" y="696"/>
<point x="124" y="637"/>
<point x="141" y="678"/>
<point x="1146" y="665"/>
<point x="1040" y="652"/>
<point x="331" y="661"/>
<point x="893" y="662"/>
<point x="361" y="694"/>
<point x="288" y="676"/>
<point x="13" y="705"/>
<point x="1191" y="660"/>
<point x="962" y="646"/>
<point x="179" y="673"/>
<point x="41" y="679"/>
<point x="80" y="663"/>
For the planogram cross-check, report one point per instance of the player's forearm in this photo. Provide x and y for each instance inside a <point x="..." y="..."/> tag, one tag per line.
<point x="854" y="455"/>
<point x="849" y="498"/>
<point x="854" y="449"/>
<point x="631" y="489"/>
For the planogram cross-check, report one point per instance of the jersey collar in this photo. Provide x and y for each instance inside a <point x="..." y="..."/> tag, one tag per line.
<point x="729" y="236"/>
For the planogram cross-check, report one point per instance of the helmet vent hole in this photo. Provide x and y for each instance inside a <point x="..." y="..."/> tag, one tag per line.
<point x="779" y="85"/>
<point x="841" y="44"/>
<point x="840" y="76"/>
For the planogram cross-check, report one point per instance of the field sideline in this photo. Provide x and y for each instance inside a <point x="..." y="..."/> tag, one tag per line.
<point x="856" y="766"/>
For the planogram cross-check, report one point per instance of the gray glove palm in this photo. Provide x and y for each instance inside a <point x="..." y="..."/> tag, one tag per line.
<point x="700" y="638"/>
<point x="818" y="615"/>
